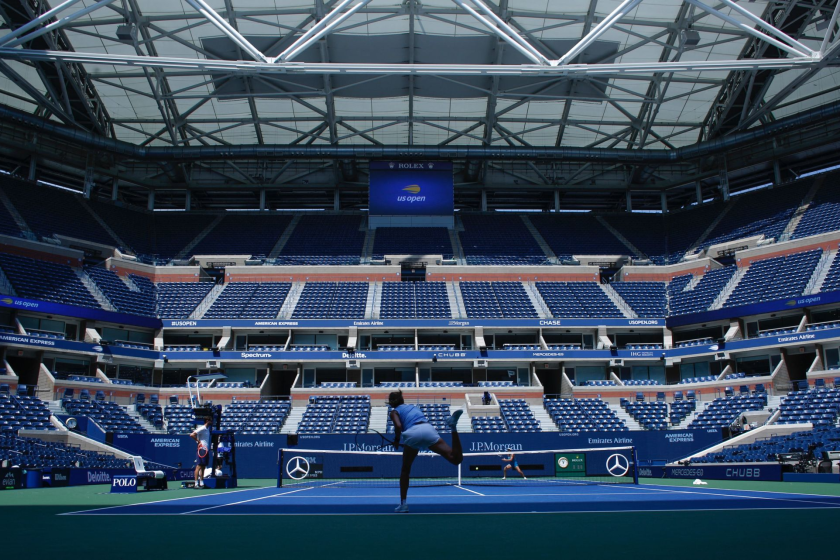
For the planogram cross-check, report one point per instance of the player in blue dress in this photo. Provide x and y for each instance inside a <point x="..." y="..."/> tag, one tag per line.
<point x="417" y="434"/>
<point x="512" y="462"/>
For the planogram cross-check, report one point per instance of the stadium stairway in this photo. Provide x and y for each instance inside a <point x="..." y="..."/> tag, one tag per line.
<point x="143" y="422"/>
<point x="820" y="273"/>
<point x="185" y="252"/>
<point x="787" y="233"/>
<point x="456" y="302"/>
<point x="13" y="212"/>
<point x="122" y="244"/>
<point x="542" y="416"/>
<point x="97" y="294"/>
<point x="619" y="302"/>
<point x="546" y="248"/>
<point x="367" y="245"/>
<point x="728" y="288"/>
<point x="278" y="247"/>
<point x="625" y="417"/>
<point x="457" y="249"/>
<point x="288" y="306"/>
<point x="378" y="419"/>
<point x="207" y="302"/>
<point x="703" y="236"/>
<point x="701" y="406"/>
<point x="636" y="251"/>
<point x="293" y="420"/>
<point x="374" y="300"/>
<point x="537" y="301"/>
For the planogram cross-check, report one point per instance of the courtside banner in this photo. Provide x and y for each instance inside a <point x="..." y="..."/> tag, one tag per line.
<point x="411" y="188"/>
<point x="80" y="477"/>
<point x="729" y="471"/>
<point x="11" y="479"/>
<point x="14" y="302"/>
<point x="407" y="323"/>
<point x="124" y="484"/>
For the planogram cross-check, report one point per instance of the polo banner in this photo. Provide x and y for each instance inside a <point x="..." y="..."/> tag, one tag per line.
<point x="771" y="472"/>
<point x="411" y="188"/>
<point x="124" y="484"/>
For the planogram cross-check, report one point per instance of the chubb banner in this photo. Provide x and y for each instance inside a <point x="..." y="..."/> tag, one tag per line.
<point x="415" y="188"/>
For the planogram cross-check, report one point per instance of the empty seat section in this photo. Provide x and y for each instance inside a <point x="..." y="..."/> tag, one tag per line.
<point x="120" y="295"/>
<point x="645" y="231"/>
<point x="422" y="300"/>
<point x="46" y="281"/>
<point x="582" y="415"/>
<point x="23" y="413"/>
<point x="647" y="299"/>
<point x="324" y="240"/>
<point x="518" y="416"/>
<point x="820" y="407"/>
<point x="249" y="300"/>
<point x="577" y="299"/>
<point x="496" y="299"/>
<point x="821" y="438"/>
<point x="332" y="300"/>
<point x="577" y="234"/>
<point x="256" y="417"/>
<point x="47" y="211"/>
<point x="775" y="278"/>
<point x="704" y="293"/>
<point x="499" y="240"/>
<point x="173" y="231"/>
<point x="176" y="300"/>
<point x="724" y="411"/>
<point x="243" y="234"/>
<point x="823" y="214"/>
<point x="764" y="213"/>
<point x="412" y="241"/>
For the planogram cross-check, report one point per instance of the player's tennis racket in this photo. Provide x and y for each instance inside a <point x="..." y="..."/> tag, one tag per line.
<point x="384" y="441"/>
<point x="202" y="450"/>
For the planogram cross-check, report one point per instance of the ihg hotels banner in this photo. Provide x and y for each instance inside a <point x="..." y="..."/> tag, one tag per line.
<point x="416" y="188"/>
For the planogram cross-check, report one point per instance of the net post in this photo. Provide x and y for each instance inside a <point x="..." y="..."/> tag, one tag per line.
<point x="459" y="474"/>
<point x="635" y="466"/>
<point x="280" y="468"/>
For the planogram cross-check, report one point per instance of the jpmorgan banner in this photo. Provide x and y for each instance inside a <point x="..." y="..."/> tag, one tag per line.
<point x="415" y="188"/>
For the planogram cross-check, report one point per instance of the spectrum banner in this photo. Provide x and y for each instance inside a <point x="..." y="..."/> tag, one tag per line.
<point x="416" y="188"/>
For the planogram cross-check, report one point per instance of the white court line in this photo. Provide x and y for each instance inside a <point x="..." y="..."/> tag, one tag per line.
<point x="757" y="491"/>
<point x="255" y="499"/>
<point x="704" y="493"/>
<point x="468" y="490"/>
<point x="169" y="500"/>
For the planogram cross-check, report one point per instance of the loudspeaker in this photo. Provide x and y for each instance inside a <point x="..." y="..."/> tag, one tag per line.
<point x="292" y="440"/>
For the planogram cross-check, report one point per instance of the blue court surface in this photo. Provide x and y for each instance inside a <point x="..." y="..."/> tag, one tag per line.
<point x="333" y="499"/>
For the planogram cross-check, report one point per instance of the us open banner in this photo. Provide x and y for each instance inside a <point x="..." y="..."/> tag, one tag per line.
<point x="416" y="188"/>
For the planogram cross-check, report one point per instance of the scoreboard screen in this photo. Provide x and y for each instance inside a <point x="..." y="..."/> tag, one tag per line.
<point x="415" y="188"/>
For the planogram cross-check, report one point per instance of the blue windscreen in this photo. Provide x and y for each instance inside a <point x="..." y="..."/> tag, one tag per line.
<point x="411" y="188"/>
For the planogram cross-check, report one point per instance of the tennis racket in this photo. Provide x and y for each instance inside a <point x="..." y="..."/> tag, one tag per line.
<point x="202" y="450"/>
<point x="384" y="441"/>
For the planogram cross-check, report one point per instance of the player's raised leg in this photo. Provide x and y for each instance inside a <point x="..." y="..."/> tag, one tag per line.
<point x="454" y="454"/>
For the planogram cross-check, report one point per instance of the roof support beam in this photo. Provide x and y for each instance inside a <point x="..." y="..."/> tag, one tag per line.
<point x="498" y="26"/>
<point x="201" y="7"/>
<point x="326" y="25"/>
<point x="623" y="9"/>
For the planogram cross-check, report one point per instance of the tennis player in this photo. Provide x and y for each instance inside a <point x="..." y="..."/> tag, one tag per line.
<point x="202" y="453"/>
<point x="512" y="462"/>
<point x="417" y="433"/>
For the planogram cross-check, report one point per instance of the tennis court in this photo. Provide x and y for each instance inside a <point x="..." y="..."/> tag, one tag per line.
<point x="333" y="499"/>
<point x="651" y="520"/>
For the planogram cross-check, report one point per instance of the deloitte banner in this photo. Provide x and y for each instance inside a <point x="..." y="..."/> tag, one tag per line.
<point x="417" y="188"/>
<point x="729" y="471"/>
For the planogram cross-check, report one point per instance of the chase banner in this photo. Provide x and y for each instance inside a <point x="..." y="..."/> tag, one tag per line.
<point x="415" y="188"/>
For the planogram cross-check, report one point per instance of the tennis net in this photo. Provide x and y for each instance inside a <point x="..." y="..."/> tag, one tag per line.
<point x="606" y="465"/>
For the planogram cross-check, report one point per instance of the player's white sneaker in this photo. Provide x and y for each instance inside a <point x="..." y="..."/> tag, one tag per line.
<point x="402" y="508"/>
<point x="452" y="421"/>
